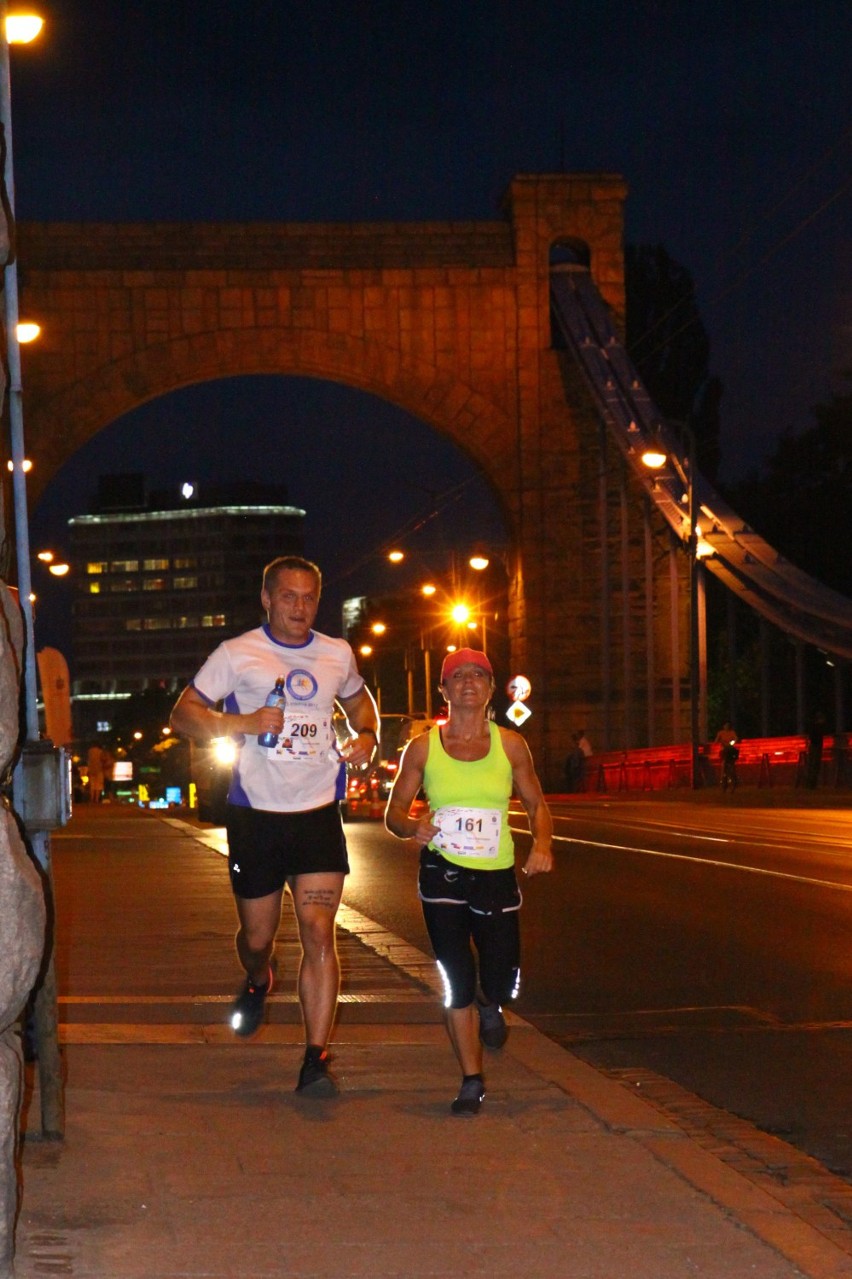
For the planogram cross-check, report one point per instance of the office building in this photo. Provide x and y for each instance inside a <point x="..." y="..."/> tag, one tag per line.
<point x="159" y="581"/>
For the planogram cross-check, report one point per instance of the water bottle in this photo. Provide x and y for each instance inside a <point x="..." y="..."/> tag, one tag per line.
<point x="277" y="697"/>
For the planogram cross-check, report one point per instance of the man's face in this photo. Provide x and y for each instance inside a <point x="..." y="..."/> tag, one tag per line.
<point x="291" y="605"/>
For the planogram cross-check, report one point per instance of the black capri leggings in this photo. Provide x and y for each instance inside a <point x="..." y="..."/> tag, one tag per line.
<point x="462" y="906"/>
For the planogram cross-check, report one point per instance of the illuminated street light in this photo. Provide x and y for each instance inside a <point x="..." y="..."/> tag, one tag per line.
<point x="59" y="570"/>
<point x="25" y="465"/>
<point x="46" y="557"/>
<point x="27" y="331"/>
<point x="22" y="28"/>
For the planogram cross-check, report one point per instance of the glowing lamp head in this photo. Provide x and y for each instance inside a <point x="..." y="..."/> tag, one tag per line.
<point x="21" y="28"/>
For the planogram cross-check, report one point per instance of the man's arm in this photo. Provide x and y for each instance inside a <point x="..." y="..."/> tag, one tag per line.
<point x="363" y="717"/>
<point x="194" y="717"/>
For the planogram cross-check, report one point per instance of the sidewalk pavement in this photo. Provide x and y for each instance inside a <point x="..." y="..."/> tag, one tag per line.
<point x="188" y="1154"/>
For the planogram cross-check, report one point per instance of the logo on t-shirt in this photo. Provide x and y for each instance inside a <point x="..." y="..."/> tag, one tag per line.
<point x="301" y="685"/>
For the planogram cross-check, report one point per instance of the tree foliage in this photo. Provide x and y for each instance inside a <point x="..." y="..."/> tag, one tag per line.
<point x="669" y="345"/>
<point x="803" y="503"/>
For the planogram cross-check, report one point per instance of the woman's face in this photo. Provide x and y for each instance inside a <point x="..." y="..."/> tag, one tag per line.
<point x="468" y="686"/>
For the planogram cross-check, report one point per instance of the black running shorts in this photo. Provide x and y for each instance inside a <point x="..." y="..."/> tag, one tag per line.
<point x="265" y="849"/>
<point x="480" y="906"/>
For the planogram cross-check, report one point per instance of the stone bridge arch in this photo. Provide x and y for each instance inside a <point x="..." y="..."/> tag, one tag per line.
<point x="451" y="406"/>
<point x="449" y="321"/>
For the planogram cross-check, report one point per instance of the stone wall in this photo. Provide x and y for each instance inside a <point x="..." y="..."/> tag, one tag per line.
<point x="22" y="930"/>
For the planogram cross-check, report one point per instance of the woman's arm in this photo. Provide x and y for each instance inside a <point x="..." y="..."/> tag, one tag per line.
<point x="528" y="788"/>
<point x="407" y="783"/>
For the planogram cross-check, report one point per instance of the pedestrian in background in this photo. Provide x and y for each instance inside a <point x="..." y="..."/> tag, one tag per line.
<point x="96" y="762"/>
<point x="469" y="768"/>
<point x="813" y="753"/>
<point x="729" y="753"/>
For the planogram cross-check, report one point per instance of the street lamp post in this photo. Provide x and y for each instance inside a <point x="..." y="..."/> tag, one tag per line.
<point x="654" y="459"/>
<point x="16" y="414"/>
<point x="694" y="656"/>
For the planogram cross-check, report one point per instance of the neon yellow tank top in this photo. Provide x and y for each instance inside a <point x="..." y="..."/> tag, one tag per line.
<point x="472" y="784"/>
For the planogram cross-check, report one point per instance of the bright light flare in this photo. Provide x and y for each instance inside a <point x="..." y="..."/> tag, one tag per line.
<point x="21" y="28"/>
<point x="224" y="750"/>
<point x="460" y="613"/>
<point x="27" y="331"/>
<point x="654" y="459"/>
<point x="26" y="465"/>
<point x="396" y="557"/>
<point x="479" y="562"/>
<point x="59" y="570"/>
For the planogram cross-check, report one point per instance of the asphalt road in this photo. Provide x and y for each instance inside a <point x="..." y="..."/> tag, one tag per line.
<point x="711" y="945"/>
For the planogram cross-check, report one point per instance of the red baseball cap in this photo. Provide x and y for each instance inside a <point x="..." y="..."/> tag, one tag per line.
<point x="461" y="657"/>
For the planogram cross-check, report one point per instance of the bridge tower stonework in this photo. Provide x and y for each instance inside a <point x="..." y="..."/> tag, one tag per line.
<point x="449" y="321"/>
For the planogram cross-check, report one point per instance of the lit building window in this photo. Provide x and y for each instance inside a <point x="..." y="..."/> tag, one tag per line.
<point x="154" y="566"/>
<point x="97" y="566"/>
<point x="133" y="624"/>
<point x="213" y="619"/>
<point x="153" y="583"/>
<point x="185" y="583"/>
<point x="158" y="623"/>
<point x="94" y="588"/>
<point x="184" y="561"/>
<point x="124" y="566"/>
<point x="124" y="584"/>
<point x="186" y="623"/>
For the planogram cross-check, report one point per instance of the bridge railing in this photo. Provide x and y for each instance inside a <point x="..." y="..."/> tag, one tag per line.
<point x="762" y="762"/>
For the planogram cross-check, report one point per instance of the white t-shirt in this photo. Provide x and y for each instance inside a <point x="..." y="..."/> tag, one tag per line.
<point x="303" y="770"/>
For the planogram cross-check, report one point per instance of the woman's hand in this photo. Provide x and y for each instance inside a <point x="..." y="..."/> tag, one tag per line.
<point x="425" y="829"/>
<point x="540" y="860"/>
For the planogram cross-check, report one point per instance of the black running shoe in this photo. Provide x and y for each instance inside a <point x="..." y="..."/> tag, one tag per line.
<point x="316" y="1080"/>
<point x="470" y="1097"/>
<point x="493" y="1030"/>
<point x="247" y="1010"/>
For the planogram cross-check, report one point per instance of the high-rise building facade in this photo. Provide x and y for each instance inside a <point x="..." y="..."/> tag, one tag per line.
<point x="158" y="583"/>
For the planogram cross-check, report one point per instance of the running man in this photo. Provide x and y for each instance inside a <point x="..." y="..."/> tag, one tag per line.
<point x="283" y="817"/>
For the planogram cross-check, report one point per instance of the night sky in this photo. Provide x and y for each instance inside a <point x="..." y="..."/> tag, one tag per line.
<point x="731" y="123"/>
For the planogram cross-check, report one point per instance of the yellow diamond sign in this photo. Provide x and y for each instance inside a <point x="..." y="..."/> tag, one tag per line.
<point x="518" y="713"/>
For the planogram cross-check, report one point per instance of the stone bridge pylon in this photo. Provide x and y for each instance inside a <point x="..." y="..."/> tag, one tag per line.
<point x="449" y="321"/>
